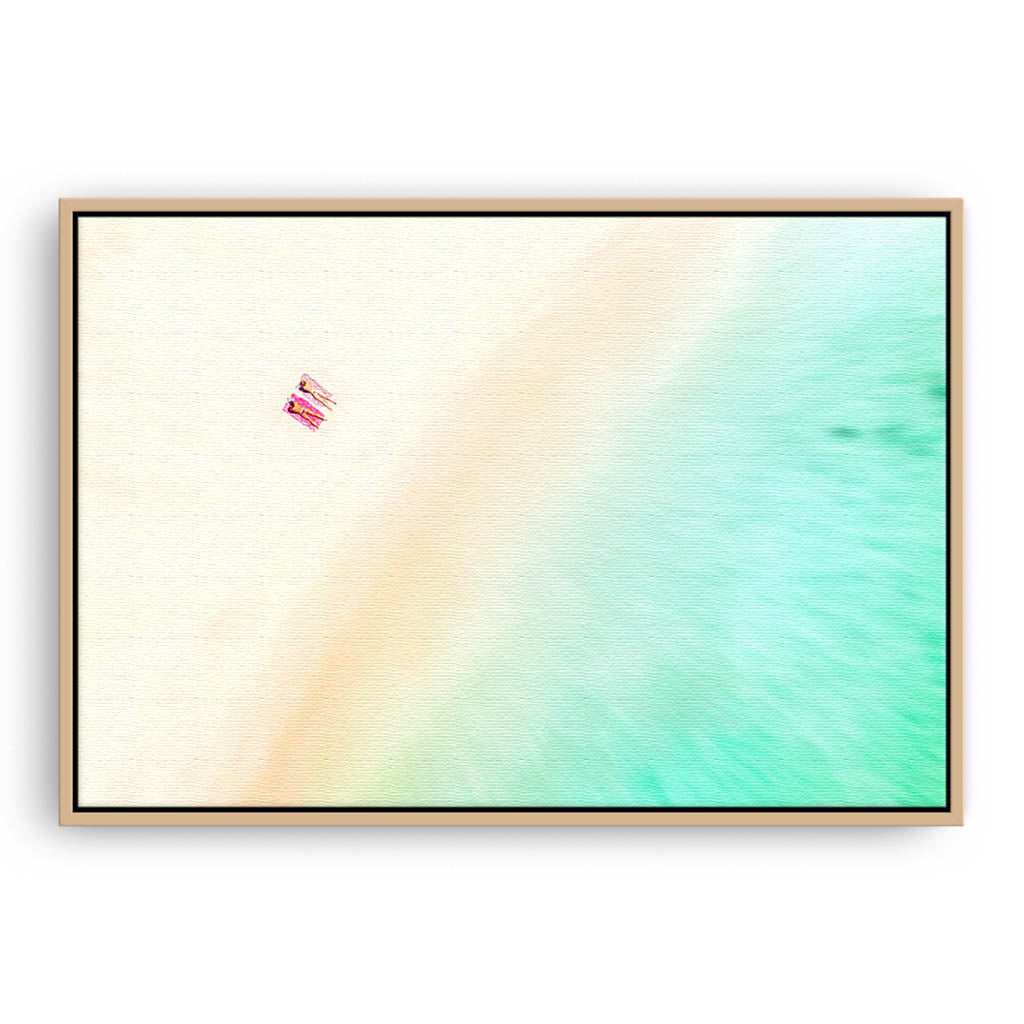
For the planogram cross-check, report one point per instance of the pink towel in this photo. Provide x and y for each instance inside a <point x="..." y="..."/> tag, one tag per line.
<point x="312" y="384"/>
<point x="317" y="415"/>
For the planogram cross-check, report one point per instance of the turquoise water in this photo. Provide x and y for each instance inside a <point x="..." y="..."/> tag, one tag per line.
<point x="746" y="606"/>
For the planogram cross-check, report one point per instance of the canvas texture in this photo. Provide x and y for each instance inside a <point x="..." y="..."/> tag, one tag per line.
<point x="606" y="511"/>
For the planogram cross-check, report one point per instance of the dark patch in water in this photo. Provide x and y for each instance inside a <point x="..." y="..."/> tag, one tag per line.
<point x="938" y="390"/>
<point x="899" y="436"/>
<point x="844" y="432"/>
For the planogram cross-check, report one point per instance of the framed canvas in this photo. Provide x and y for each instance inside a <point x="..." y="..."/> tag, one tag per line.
<point x="511" y="511"/>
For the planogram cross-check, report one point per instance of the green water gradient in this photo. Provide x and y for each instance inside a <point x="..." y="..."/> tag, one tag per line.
<point x="746" y="605"/>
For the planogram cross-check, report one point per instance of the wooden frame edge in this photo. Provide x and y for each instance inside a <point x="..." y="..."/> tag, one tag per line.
<point x="65" y="742"/>
<point x="496" y="204"/>
<point x="514" y="818"/>
<point x="68" y="207"/>
<point x="955" y="398"/>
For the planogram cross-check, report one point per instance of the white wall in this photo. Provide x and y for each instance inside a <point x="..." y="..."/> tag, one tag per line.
<point x="523" y="99"/>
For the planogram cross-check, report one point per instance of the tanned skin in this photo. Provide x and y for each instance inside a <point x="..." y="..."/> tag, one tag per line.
<point x="315" y="393"/>
<point x="312" y="417"/>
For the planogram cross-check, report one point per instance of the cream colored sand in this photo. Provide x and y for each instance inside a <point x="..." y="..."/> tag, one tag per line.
<point x="264" y="610"/>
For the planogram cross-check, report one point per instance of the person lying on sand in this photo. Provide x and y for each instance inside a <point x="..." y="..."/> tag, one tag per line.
<point x="317" y="393"/>
<point x="314" y="418"/>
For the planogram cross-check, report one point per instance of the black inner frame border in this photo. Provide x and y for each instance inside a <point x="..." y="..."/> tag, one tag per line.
<point x="782" y="809"/>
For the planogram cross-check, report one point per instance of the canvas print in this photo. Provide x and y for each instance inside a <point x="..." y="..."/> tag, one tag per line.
<point x="511" y="511"/>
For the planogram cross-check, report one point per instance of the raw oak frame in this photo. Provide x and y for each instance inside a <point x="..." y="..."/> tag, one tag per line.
<point x="70" y="814"/>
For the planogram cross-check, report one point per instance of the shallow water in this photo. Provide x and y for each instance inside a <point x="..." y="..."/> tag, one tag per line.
<point x="744" y="603"/>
